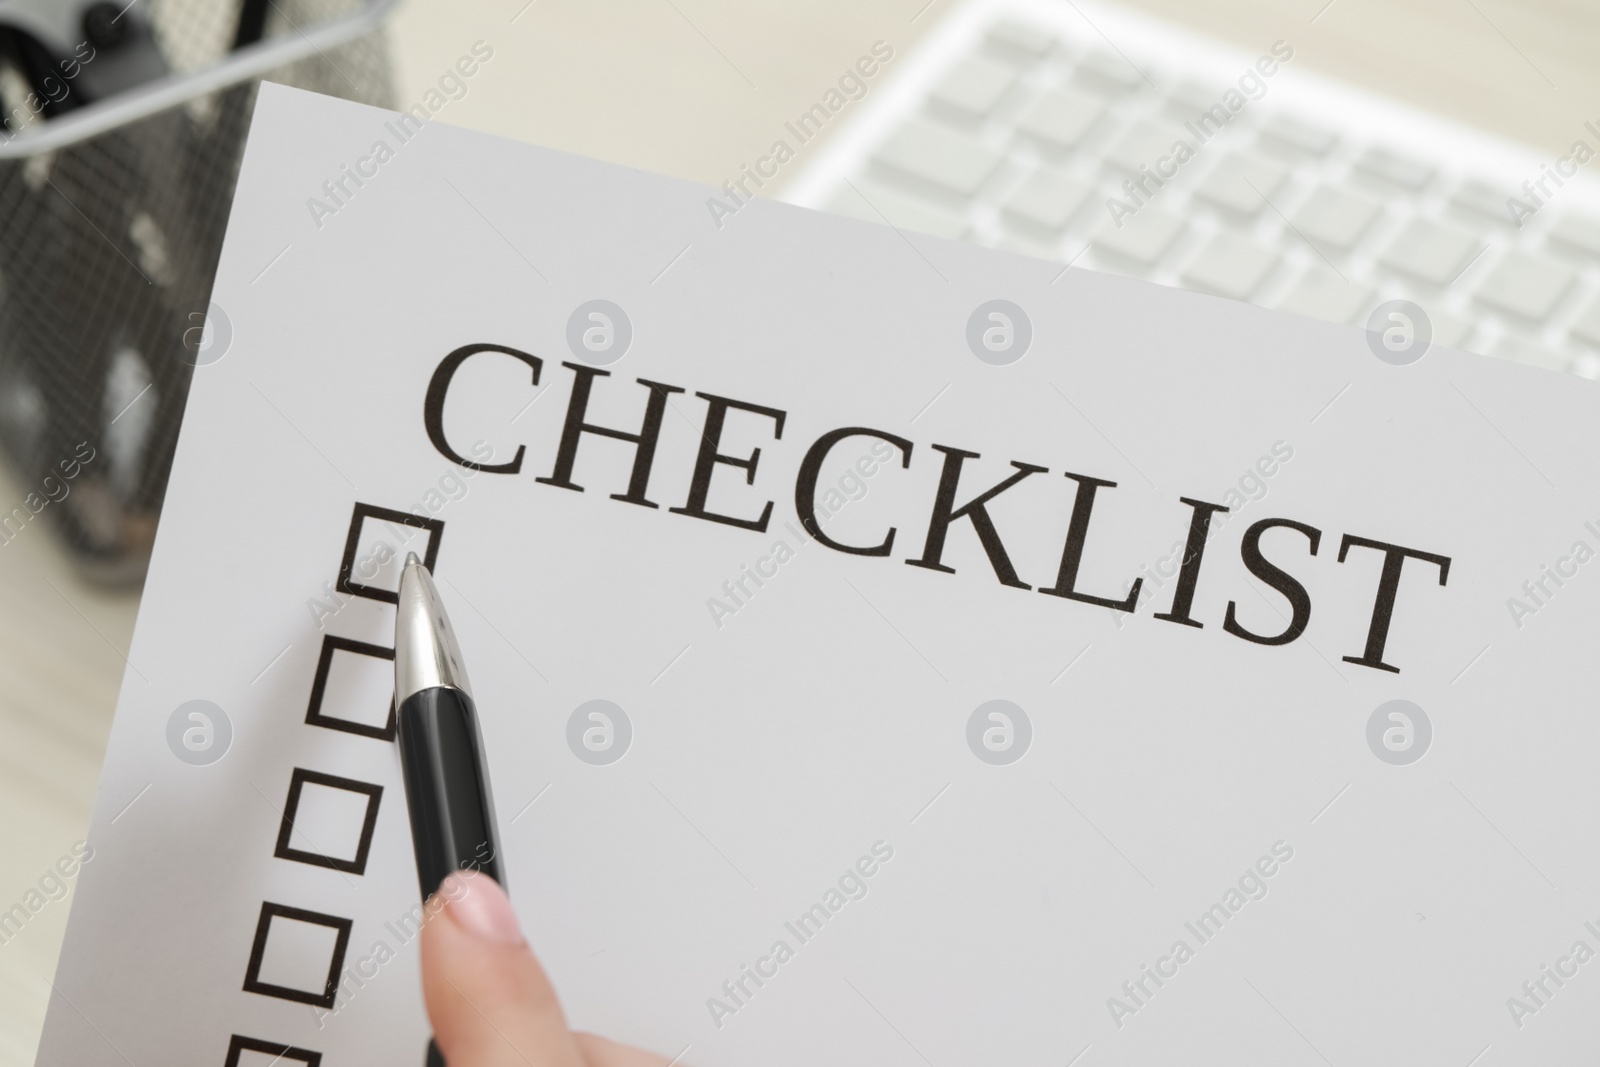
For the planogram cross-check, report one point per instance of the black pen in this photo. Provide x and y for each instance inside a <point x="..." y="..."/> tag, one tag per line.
<point x="441" y="747"/>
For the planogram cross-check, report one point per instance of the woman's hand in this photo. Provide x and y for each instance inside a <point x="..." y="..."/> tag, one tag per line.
<point x="489" y="1000"/>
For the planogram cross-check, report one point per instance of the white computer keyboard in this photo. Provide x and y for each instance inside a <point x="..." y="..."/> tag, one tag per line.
<point x="1016" y="122"/>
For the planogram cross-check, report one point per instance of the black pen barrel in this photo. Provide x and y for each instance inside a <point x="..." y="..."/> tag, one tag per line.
<point x="447" y="788"/>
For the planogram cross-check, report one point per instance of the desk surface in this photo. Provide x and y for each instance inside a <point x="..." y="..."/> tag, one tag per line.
<point x="691" y="88"/>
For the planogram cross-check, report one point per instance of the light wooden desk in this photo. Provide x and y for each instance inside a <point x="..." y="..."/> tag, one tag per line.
<point x="61" y="649"/>
<point x="691" y="88"/>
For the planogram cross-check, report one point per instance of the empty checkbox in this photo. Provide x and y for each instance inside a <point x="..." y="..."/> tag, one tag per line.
<point x="376" y="549"/>
<point x="253" y="1052"/>
<point x="297" y="955"/>
<point x="353" y="689"/>
<point x="328" y="821"/>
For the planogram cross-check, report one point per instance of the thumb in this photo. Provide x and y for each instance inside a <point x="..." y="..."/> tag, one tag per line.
<point x="490" y="1002"/>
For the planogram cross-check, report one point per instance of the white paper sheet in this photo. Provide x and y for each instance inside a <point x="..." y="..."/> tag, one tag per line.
<point x="821" y="716"/>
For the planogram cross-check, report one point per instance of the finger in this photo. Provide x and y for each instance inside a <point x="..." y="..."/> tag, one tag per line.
<point x="603" y="1052"/>
<point x="488" y="999"/>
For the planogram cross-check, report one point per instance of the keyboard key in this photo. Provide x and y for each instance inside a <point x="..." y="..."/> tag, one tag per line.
<point x="1300" y="135"/>
<point x="1531" y="353"/>
<point x="1433" y="251"/>
<point x="975" y="86"/>
<point x="1483" y="199"/>
<point x="1021" y="39"/>
<point x="1230" y="266"/>
<point x="945" y="157"/>
<point x="1580" y="232"/>
<point x="1060" y="117"/>
<point x="1393" y="167"/>
<point x="1110" y="70"/>
<point x="1143" y="144"/>
<point x="1523" y="285"/>
<point x="1238" y="184"/>
<point x="1334" y="218"/>
<point x="1322" y="294"/>
<point x="1144" y="238"/>
<point x="1047" y="199"/>
<point x="1588" y="325"/>
<point x="1191" y="98"/>
<point x="875" y="203"/>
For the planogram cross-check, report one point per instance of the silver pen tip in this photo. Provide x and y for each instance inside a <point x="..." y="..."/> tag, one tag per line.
<point x="426" y="655"/>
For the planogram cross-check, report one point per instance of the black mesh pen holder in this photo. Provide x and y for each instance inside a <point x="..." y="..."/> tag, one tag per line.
<point x="121" y="130"/>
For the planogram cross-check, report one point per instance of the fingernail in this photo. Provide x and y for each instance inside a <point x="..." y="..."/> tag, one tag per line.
<point x="481" y="907"/>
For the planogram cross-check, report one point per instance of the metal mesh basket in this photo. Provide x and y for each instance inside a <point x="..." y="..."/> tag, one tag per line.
<point x="114" y="191"/>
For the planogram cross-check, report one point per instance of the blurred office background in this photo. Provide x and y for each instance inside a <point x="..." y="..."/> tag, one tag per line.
<point x="695" y="89"/>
